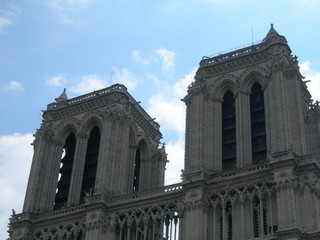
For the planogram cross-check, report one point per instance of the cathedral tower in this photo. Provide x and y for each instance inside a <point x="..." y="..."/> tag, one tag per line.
<point x="252" y="159"/>
<point x="99" y="144"/>
<point x="251" y="152"/>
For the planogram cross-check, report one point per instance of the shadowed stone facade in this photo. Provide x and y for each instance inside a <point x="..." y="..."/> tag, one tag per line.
<point x="251" y="159"/>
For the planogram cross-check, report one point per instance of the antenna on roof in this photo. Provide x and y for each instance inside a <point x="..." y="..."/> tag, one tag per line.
<point x="111" y="78"/>
<point x="252" y="35"/>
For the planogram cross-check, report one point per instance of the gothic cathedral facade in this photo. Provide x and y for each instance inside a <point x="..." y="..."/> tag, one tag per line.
<point x="252" y="159"/>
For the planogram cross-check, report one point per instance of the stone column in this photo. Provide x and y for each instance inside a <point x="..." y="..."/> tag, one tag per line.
<point x="280" y="206"/>
<point x="242" y="223"/>
<point x="129" y="230"/>
<point x="224" y="225"/>
<point x="101" y="184"/>
<point x="52" y="172"/>
<point x="217" y="136"/>
<point x="194" y="138"/>
<point x="31" y="202"/>
<point x="277" y="124"/>
<point x="251" y="216"/>
<point x="233" y="211"/>
<point x="145" y="177"/>
<point x="271" y="215"/>
<point x="195" y="215"/>
<point x="287" y="217"/>
<point x="119" y="176"/>
<point x="318" y="211"/>
<point x="261" y="215"/>
<point x="208" y="133"/>
<point x="243" y="129"/>
<point x="95" y="220"/>
<point x="182" y="225"/>
<point x="77" y="170"/>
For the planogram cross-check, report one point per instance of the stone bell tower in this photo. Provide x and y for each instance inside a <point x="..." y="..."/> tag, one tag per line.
<point x="252" y="147"/>
<point x="99" y="144"/>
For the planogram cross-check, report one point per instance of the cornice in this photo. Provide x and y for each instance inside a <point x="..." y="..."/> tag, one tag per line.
<point x="116" y="104"/>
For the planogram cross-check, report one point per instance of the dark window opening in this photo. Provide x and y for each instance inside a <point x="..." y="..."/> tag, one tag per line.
<point x="257" y="216"/>
<point x="229" y="220"/>
<point x="220" y="223"/>
<point x="91" y="162"/>
<point x="228" y="132"/>
<point x="136" y="174"/>
<point x="65" y="171"/>
<point x="258" y="126"/>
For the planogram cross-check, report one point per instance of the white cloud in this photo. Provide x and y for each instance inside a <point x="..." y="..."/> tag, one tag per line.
<point x="314" y="76"/>
<point x="8" y="13"/>
<point x="4" y="22"/>
<point x="88" y="84"/>
<point x="175" y="151"/>
<point x="180" y="88"/>
<point x="55" y="81"/>
<point x="67" y="10"/>
<point x="170" y="114"/>
<point x="136" y="58"/>
<point x="168" y="59"/>
<point x="93" y="82"/>
<point x="163" y="107"/>
<point x="154" y="78"/>
<point x="16" y="86"/>
<point x="169" y="111"/>
<point x="15" y="160"/>
<point x="124" y="76"/>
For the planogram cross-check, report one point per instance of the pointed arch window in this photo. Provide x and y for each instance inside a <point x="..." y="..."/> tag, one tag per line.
<point x="136" y="171"/>
<point x="228" y="132"/>
<point x="65" y="171"/>
<point x="91" y="162"/>
<point x="258" y="125"/>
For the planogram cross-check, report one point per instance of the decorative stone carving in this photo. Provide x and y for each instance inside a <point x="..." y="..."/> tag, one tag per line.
<point x="117" y="112"/>
<point x="241" y="192"/>
<point x="197" y="87"/>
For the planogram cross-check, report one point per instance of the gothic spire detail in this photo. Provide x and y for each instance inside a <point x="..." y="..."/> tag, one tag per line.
<point x="272" y="32"/>
<point x="63" y="97"/>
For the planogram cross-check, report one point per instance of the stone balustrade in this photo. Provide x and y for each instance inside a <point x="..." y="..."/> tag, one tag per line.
<point x="241" y="52"/>
<point x="147" y="194"/>
<point x="108" y="90"/>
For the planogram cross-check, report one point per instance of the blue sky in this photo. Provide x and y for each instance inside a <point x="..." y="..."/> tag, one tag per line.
<point x="153" y="47"/>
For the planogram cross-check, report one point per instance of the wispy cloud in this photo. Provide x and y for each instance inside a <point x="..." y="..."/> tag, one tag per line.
<point x="136" y="58"/>
<point x="7" y="16"/>
<point x="92" y="82"/>
<point x="56" y="81"/>
<point x="88" y="84"/>
<point x="15" y="157"/>
<point x="313" y="76"/>
<point x="175" y="151"/>
<point x="66" y="10"/>
<point x="124" y="76"/>
<point x="168" y="59"/>
<point x="14" y="86"/>
<point x="180" y="88"/>
<point x="4" y="22"/>
<point x="163" y="107"/>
